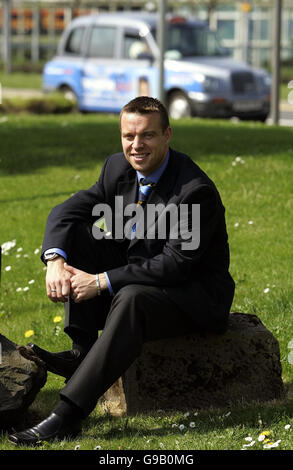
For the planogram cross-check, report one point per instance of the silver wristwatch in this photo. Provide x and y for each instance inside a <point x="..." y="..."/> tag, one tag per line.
<point x="50" y="256"/>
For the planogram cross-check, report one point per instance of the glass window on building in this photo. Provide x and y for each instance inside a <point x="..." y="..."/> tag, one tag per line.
<point x="226" y="29"/>
<point x="290" y="30"/>
<point x="259" y="29"/>
<point x="251" y="29"/>
<point x="229" y="8"/>
<point x="264" y="29"/>
<point x="102" y="42"/>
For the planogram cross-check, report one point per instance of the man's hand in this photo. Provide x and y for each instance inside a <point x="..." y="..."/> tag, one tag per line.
<point x="83" y="285"/>
<point x="57" y="280"/>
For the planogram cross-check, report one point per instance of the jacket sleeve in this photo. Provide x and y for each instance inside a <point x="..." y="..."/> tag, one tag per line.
<point x="77" y="208"/>
<point x="175" y="263"/>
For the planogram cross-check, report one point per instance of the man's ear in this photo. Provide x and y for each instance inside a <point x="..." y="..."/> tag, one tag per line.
<point x="168" y="133"/>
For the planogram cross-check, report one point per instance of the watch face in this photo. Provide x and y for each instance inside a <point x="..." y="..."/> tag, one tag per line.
<point x="51" y="256"/>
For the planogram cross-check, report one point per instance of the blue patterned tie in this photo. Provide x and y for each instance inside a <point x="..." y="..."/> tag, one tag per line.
<point x="145" y="188"/>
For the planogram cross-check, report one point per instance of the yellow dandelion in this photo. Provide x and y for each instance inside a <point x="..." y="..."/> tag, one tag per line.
<point x="265" y="433"/>
<point x="29" y="333"/>
<point x="57" y="319"/>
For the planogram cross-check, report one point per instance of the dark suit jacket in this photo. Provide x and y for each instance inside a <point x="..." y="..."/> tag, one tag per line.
<point x="197" y="280"/>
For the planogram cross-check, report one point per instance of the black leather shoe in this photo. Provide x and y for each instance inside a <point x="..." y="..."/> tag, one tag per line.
<point x="63" y="363"/>
<point x="53" y="427"/>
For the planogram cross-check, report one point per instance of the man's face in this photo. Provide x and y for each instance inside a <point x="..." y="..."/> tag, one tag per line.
<point x="145" y="144"/>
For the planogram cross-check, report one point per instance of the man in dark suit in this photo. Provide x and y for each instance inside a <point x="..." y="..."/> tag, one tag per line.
<point x="162" y="273"/>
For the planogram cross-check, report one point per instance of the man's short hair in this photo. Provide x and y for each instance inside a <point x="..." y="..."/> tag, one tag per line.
<point x="147" y="105"/>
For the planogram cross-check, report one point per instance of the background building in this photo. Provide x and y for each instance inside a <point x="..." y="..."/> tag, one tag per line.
<point x="245" y="27"/>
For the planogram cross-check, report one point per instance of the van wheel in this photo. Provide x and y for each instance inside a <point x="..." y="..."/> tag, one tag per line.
<point x="258" y="117"/>
<point x="68" y="93"/>
<point x="179" y="105"/>
<point x="261" y="117"/>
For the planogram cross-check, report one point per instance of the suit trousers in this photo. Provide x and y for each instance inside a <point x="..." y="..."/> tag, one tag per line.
<point x="135" y="314"/>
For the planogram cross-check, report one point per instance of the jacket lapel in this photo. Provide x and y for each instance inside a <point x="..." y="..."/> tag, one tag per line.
<point x="127" y="189"/>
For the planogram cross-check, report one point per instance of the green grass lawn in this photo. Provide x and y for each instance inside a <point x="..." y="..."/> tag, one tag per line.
<point x="43" y="160"/>
<point x="31" y="80"/>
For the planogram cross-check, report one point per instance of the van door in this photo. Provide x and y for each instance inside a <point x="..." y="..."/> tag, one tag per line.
<point x="64" y="72"/>
<point x="137" y="61"/>
<point x="99" y="81"/>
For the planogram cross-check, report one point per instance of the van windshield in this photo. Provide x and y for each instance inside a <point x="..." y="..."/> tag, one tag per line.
<point x="189" y="40"/>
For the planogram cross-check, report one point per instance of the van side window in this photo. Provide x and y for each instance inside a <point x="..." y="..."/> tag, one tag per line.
<point x="102" y="41"/>
<point x="134" y="46"/>
<point x="74" y="41"/>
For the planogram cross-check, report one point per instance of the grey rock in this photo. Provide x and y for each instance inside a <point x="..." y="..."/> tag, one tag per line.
<point x="22" y="375"/>
<point x="201" y="371"/>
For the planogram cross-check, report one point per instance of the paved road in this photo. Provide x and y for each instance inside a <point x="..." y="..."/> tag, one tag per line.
<point x="286" y="114"/>
<point x="286" y="109"/>
<point x="24" y="93"/>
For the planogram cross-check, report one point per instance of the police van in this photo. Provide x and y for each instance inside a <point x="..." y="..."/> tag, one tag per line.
<point x="105" y="60"/>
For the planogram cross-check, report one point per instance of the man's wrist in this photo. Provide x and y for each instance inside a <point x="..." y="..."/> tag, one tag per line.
<point x="56" y="260"/>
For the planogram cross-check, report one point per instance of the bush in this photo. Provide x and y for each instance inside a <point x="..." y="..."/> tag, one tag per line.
<point x="54" y="103"/>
